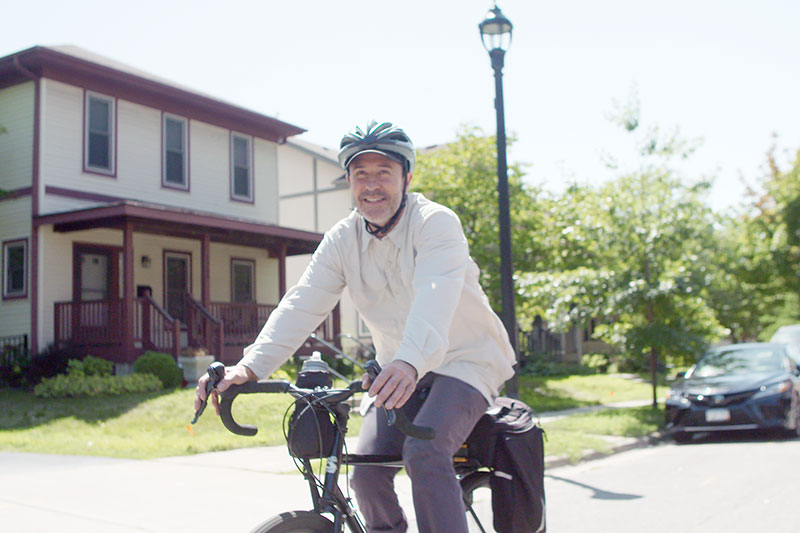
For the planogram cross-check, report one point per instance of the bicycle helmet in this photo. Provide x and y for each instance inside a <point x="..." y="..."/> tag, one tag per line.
<point x="384" y="139"/>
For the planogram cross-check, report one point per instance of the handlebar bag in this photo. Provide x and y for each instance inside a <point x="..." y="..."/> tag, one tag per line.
<point x="311" y="432"/>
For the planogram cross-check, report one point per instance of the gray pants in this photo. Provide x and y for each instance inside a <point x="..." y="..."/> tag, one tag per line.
<point x="451" y="408"/>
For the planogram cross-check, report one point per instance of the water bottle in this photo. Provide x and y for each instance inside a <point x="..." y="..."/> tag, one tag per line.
<point x="314" y="373"/>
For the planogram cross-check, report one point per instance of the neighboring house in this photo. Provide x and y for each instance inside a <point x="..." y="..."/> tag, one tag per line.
<point x="315" y="203"/>
<point x="142" y="215"/>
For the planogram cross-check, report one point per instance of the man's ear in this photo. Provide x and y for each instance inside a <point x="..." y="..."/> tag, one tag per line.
<point x="409" y="179"/>
<point x="347" y="176"/>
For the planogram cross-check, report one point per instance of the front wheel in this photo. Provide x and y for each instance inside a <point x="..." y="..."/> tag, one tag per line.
<point x="296" y="522"/>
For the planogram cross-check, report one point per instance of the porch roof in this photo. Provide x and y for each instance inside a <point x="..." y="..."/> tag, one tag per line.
<point x="176" y="222"/>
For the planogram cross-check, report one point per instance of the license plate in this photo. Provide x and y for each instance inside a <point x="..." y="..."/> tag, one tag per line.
<point x="718" y="415"/>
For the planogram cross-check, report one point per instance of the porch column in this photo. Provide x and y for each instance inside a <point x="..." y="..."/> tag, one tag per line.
<point x="205" y="270"/>
<point x="281" y="270"/>
<point x="127" y="292"/>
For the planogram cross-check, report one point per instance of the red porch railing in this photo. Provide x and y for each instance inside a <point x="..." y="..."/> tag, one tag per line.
<point x="224" y="328"/>
<point x="154" y="328"/>
<point x="96" y="326"/>
<point x="93" y="324"/>
<point x="241" y="321"/>
<point x="204" y="330"/>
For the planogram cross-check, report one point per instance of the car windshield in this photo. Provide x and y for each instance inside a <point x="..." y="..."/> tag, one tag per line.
<point x="738" y="361"/>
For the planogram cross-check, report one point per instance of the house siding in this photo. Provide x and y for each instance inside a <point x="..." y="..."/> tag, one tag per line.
<point x="266" y="274"/>
<point x="16" y="144"/>
<point x="138" y="160"/>
<point x="15" y="223"/>
<point x="296" y="171"/>
<point x="298" y="212"/>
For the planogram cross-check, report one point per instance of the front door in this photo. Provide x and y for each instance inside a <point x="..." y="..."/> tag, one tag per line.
<point x="176" y="283"/>
<point x="95" y="282"/>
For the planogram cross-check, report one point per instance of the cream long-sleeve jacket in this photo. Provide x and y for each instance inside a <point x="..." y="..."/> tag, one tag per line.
<point x="416" y="289"/>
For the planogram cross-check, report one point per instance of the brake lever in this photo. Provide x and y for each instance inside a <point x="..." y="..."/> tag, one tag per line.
<point x="216" y="371"/>
<point x="397" y="416"/>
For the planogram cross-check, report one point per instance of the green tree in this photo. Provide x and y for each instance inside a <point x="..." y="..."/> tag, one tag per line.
<point x="463" y="176"/>
<point x="646" y="243"/>
<point x="763" y="240"/>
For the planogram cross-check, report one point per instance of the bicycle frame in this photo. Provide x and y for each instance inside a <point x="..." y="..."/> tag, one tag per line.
<point x="326" y="493"/>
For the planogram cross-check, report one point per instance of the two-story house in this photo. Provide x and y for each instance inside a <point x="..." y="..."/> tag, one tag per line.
<point x="137" y="214"/>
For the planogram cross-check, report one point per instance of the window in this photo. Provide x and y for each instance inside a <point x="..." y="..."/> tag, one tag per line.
<point x="175" y="160"/>
<point x="243" y="280"/>
<point x="99" y="127"/>
<point x="241" y="168"/>
<point x="15" y="268"/>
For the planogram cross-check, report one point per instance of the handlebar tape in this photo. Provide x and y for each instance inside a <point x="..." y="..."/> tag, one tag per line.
<point x="251" y="387"/>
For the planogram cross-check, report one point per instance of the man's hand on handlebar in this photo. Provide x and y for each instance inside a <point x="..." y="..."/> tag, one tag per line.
<point x="234" y="375"/>
<point x="393" y="386"/>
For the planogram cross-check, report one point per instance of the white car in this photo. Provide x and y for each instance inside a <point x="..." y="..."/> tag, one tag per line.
<point x="787" y="335"/>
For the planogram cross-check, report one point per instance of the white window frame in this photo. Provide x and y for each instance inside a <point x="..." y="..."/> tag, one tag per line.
<point x="7" y="246"/>
<point x="249" y="150"/>
<point x="184" y="185"/>
<point x="112" y="134"/>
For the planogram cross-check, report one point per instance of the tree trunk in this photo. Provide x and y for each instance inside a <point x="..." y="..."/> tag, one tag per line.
<point x="654" y="371"/>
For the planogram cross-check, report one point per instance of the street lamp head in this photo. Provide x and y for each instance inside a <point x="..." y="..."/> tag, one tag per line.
<point x="496" y="30"/>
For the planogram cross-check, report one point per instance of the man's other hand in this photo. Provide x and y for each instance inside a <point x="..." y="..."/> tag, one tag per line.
<point x="394" y="385"/>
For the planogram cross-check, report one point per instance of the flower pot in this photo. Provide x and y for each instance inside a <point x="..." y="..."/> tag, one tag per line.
<point x="194" y="367"/>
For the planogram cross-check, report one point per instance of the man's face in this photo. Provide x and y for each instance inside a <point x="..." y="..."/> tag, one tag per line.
<point x="377" y="186"/>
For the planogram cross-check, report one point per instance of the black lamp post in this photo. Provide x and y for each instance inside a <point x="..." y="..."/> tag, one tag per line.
<point x="496" y="36"/>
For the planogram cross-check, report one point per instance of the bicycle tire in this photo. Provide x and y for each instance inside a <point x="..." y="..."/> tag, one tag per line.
<point x="296" y="522"/>
<point x="477" y="499"/>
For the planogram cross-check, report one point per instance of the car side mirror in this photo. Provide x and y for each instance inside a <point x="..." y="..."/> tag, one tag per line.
<point x="679" y="375"/>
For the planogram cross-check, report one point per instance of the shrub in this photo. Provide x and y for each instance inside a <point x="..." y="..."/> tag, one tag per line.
<point x="597" y="361"/>
<point x="90" y="366"/>
<point x="71" y="385"/>
<point x="14" y="364"/>
<point x="536" y="367"/>
<point x="161" y="365"/>
<point x="52" y="361"/>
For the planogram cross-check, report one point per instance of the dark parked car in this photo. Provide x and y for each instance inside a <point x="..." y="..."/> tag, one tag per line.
<point x="737" y="387"/>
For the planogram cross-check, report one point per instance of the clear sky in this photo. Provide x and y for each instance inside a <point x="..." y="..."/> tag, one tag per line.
<point x="725" y="71"/>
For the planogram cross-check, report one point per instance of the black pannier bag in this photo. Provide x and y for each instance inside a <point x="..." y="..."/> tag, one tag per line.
<point x="508" y="440"/>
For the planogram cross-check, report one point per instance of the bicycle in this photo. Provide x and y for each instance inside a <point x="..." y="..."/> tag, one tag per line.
<point x="327" y="497"/>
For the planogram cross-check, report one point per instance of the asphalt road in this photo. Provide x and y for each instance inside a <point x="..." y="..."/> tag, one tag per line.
<point x="729" y="485"/>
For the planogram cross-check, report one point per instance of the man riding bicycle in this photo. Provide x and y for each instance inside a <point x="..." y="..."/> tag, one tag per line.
<point x="405" y="262"/>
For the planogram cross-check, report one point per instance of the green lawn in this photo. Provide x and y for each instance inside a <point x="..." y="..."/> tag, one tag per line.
<point x="573" y="435"/>
<point x="155" y="424"/>
<point x="565" y="392"/>
<point x="135" y="425"/>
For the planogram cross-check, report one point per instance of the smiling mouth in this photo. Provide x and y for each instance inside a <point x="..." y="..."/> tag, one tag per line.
<point x="373" y="199"/>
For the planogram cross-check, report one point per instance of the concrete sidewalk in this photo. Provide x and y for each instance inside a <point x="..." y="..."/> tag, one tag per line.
<point x="222" y="491"/>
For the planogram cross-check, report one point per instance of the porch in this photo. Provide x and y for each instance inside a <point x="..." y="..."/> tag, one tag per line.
<point x="224" y="329"/>
<point x="124" y="303"/>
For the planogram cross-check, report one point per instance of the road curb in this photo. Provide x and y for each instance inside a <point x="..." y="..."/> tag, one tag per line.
<point x="591" y="455"/>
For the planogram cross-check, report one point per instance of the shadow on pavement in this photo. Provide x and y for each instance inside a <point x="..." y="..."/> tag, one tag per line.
<point x="599" y="494"/>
